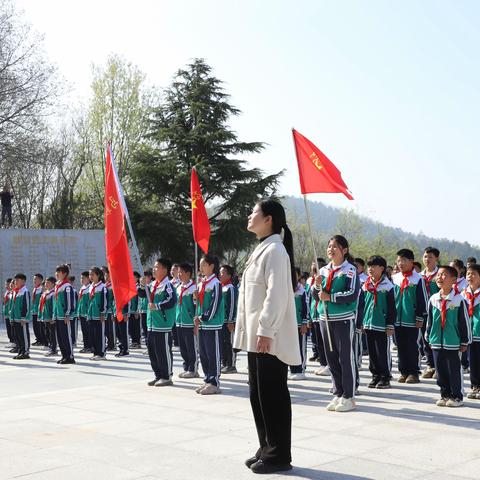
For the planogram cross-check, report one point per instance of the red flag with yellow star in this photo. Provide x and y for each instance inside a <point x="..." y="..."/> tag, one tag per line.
<point x="317" y="173"/>
<point x="200" y="223"/>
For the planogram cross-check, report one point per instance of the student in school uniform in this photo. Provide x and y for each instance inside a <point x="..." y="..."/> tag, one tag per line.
<point x="20" y="315"/>
<point x="471" y="261"/>
<point x="430" y="259"/>
<point x="297" y="372"/>
<point x="45" y="315"/>
<point x="63" y="311"/>
<point x="162" y="300"/>
<point x="472" y="297"/>
<point x="38" y="327"/>
<point x="185" y="312"/>
<point x="410" y="302"/>
<point x="110" y="332"/>
<point x="209" y="322"/>
<point x="82" y="312"/>
<point x="121" y="329"/>
<point x="143" y="291"/>
<point x="361" y="347"/>
<point x="230" y="297"/>
<point x="6" y="306"/>
<point x="134" y="328"/>
<point x="175" y="281"/>
<point x="75" y="322"/>
<point x="337" y="288"/>
<point x="97" y="312"/>
<point x="448" y="332"/>
<point x="376" y="316"/>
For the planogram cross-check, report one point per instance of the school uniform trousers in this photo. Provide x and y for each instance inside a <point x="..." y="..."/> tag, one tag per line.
<point x="159" y="346"/>
<point x="210" y="343"/>
<point x="87" y="341"/>
<point x="379" y="354"/>
<point x="121" y="330"/>
<point x="23" y="337"/>
<point x="449" y="373"/>
<point x="302" y="343"/>
<point x="408" y="349"/>
<point x="8" y="326"/>
<point x="38" y="329"/>
<point x="143" y="323"/>
<point x="97" y="337"/>
<point x="64" y="337"/>
<point x="341" y="359"/>
<point x="52" y="336"/>
<point x="229" y="357"/>
<point x="188" y="343"/>
<point x="474" y="356"/>
<point x="317" y="340"/>
<point x="134" y="328"/>
<point x="271" y="406"/>
<point x="425" y="348"/>
<point x="110" y="333"/>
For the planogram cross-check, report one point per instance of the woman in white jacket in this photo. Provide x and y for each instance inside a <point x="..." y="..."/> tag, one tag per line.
<point x="267" y="329"/>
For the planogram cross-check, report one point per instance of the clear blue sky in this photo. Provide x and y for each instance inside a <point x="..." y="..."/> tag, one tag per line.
<point x="388" y="90"/>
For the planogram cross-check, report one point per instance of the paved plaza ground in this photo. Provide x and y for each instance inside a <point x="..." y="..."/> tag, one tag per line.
<point x="101" y="421"/>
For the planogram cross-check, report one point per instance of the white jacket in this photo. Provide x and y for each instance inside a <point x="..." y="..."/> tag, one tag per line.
<point x="266" y="304"/>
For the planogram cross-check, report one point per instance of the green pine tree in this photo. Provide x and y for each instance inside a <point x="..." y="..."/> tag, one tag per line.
<point x="190" y="128"/>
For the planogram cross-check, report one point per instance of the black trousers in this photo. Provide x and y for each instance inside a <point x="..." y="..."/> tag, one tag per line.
<point x="474" y="354"/>
<point x="425" y="348"/>
<point x="229" y="357"/>
<point x="8" y="325"/>
<point x="36" y="329"/>
<point x="97" y="336"/>
<point x="7" y="213"/>
<point x="271" y="407"/>
<point x="134" y="328"/>
<point x="23" y="337"/>
<point x="73" y="330"/>
<point x="52" y="336"/>
<point x="341" y="359"/>
<point x="87" y="341"/>
<point x="64" y="336"/>
<point x="465" y="358"/>
<point x="379" y="354"/>
<point x="174" y="335"/>
<point x="317" y="336"/>
<point x="110" y="332"/>
<point x="408" y="349"/>
<point x="302" y="343"/>
<point x="449" y="373"/>
<point x="210" y="355"/>
<point x="121" y="329"/>
<point x="160" y="352"/>
<point x="143" y="323"/>
<point x="188" y="343"/>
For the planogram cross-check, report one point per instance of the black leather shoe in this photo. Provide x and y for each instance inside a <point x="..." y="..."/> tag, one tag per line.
<point x="261" y="467"/>
<point x="250" y="461"/>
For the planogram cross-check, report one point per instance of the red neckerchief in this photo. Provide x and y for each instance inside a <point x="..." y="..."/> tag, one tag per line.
<point x="58" y="286"/>
<point x="444" y="312"/>
<point x="154" y="289"/>
<point x="34" y="294"/>
<point x="183" y="289"/>
<point x="471" y="301"/>
<point x="203" y="285"/>
<point x="228" y="282"/>
<point x="108" y="284"/>
<point x="82" y="291"/>
<point x="15" y="291"/>
<point x="43" y="299"/>
<point x="373" y="287"/>
<point x="92" y="291"/>
<point x="331" y="273"/>
<point x="455" y="287"/>
<point x="428" y="279"/>
<point x="405" y="281"/>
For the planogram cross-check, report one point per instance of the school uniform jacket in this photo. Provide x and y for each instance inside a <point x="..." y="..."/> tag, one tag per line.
<point x="266" y="304"/>
<point x="230" y="297"/>
<point x="36" y="294"/>
<point x="376" y="306"/>
<point x="431" y="286"/>
<point x="133" y="303"/>
<point x="7" y="304"/>
<point x="311" y="302"/>
<point x="142" y="298"/>
<point x="185" y="308"/>
<point x="344" y="291"/>
<point x="97" y="301"/>
<point x="21" y="307"/>
<point x="163" y="296"/>
<point x="457" y="329"/>
<point x="45" y="307"/>
<point x="474" y="309"/>
<point x="212" y="310"/>
<point x="83" y="301"/>
<point x="411" y="303"/>
<point x="110" y="298"/>
<point x="301" y="309"/>
<point x="63" y="301"/>
<point x="460" y="285"/>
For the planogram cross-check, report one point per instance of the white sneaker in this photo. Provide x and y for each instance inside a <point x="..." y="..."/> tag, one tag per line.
<point x="441" y="403"/>
<point x="333" y="404"/>
<point x="454" y="402"/>
<point x="189" y="375"/>
<point x="163" y="382"/>
<point x="323" y="371"/>
<point x="345" y="405"/>
<point x="297" y="376"/>
<point x="200" y="388"/>
<point x="210" y="389"/>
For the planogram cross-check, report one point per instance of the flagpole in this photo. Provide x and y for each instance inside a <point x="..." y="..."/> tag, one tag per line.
<point x="125" y="210"/>
<point x="309" y="222"/>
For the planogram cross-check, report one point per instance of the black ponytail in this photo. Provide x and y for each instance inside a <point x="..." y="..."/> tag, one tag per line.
<point x="343" y="242"/>
<point x="279" y="221"/>
<point x="212" y="260"/>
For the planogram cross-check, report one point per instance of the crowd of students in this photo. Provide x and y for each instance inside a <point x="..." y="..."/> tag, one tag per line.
<point x="431" y="313"/>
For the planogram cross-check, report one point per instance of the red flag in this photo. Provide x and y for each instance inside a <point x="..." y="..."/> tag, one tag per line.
<point x="317" y="173"/>
<point x="118" y="255"/>
<point x="200" y="223"/>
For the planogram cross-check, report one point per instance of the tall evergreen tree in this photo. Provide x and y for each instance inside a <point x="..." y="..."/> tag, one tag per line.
<point x="190" y="128"/>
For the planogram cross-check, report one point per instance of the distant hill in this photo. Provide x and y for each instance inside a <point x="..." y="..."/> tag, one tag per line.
<point x="361" y="230"/>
